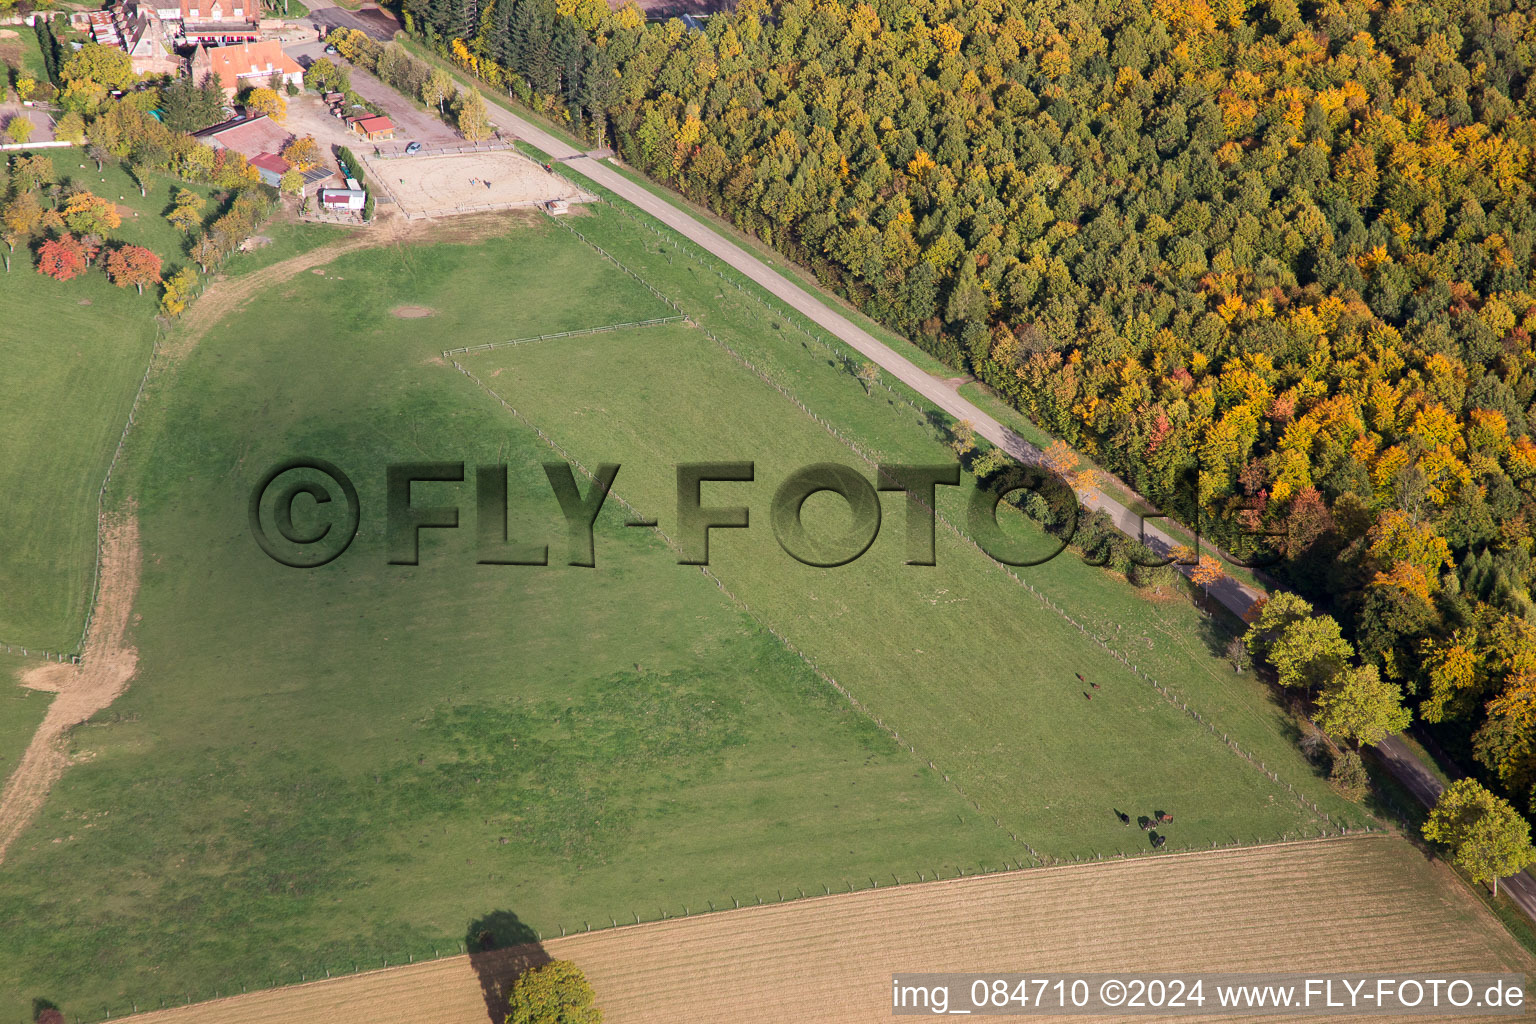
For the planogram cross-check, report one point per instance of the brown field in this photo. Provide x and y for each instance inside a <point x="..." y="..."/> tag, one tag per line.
<point x="1364" y="904"/>
<point x="443" y="184"/>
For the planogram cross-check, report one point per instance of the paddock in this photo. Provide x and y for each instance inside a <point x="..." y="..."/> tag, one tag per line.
<point x="443" y="184"/>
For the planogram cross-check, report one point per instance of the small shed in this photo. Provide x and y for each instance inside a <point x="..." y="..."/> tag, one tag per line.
<point x="374" y="127"/>
<point x="343" y="198"/>
<point x="271" y="167"/>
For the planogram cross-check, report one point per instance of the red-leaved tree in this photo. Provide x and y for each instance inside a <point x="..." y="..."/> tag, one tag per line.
<point x="62" y="258"/>
<point x="133" y="265"/>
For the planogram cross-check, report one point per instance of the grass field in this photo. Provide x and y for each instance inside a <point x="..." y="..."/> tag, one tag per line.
<point x="957" y="658"/>
<point x="307" y="796"/>
<point x="1168" y="638"/>
<point x="323" y="769"/>
<point x="21" y="711"/>
<point x="75" y="355"/>
<point x="830" y="959"/>
<point x="20" y="54"/>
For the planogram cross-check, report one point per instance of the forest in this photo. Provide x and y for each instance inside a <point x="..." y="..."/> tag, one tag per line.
<point x="1270" y="262"/>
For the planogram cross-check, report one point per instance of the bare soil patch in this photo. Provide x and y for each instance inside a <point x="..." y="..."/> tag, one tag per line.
<point x="412" y="312"/>
<point x="105" y="668"/>
<point x="445" y="184"/>
<point x="830" y="959"/>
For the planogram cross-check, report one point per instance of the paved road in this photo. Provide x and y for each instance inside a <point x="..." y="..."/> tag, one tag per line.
<point x="370" y="20"/>
<point x="1232" y="594"/>
<point x="1422" y="783"/>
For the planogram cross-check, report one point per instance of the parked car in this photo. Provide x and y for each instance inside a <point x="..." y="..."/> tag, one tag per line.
<point x="412" y="148"/>
<point x="330" y="49"/>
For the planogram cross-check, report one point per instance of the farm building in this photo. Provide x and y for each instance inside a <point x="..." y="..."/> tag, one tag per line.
<point x="144" y="38"/>
<point x="247" y="65"/>
<point x="343" y="198"/>
<point x="248" y="135"/>
<point x="219" y="22"/>
<point x="271" y="167"/>
<point x="373" y="127"/>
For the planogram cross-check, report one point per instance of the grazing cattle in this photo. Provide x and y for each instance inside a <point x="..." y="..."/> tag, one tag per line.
<point x="1088" y="695"/>
<point x="1094" y="685"/>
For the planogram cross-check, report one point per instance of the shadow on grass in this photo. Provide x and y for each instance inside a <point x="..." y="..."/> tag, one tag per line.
<point x="500" y="948"/>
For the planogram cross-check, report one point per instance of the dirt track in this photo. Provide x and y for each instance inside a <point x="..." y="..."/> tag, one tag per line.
<point x="108" y="664"/>
<point x="1371" y="903"/>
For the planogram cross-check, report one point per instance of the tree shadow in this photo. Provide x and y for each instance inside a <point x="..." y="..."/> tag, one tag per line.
<point x="501" y="947"/>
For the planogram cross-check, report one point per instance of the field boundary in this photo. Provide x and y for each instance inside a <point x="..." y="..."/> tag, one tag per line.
<point x="1167" y="694"/>
<point x="73" y="657"/>
<point x="488" y="346"/>
<point x="641" y="927"/>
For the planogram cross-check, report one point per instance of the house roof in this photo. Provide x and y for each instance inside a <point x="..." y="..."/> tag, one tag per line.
<point x="247" y="60"/>
<point x="251" y="136"/>
<point x="215" y="10"/>
<point x="375" y="123"/>
<point x="270" y="162"/>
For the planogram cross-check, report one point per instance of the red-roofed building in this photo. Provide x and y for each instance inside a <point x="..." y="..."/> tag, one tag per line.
<point x="271" y="167"/>
<point x="373" y="127"/>
<point x="220" y="22"/>
<point x="247" y="65"/>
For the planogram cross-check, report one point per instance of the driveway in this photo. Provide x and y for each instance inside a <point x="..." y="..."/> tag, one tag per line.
<point x="412" y="123"/>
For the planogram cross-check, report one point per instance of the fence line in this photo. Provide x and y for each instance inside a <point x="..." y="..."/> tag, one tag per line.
<point x="925" y="875"/>
<point x="565" y="334"/>
<point x="101" y="512"/>
<point x="446" y="149"/>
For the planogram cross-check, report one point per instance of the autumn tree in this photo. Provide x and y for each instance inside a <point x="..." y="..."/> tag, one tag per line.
<point x="437" y="89"/>
<point x="263" y="100"/>
<point x="470" y="116"/>
<point x="1059" y="458"/>
<point x="291" y="183"/>
<point x="1309" y="651"/>
<point x="21" y="217"/>
<point x="869" y="376"/>
<point x="186" y="211"/>
<point x="302" y="152"/>
<point x="70" y="128"/>
<point x="106" y="66"/>
<point x="553" y="993"/>
<point x="179" y="288"/>
<point x="205" y="251"/>
<point x="19" y="129"/>
<point x="323" y="75"/>
<point x="62" y="258"/>
<point x="1360" y="707"/>
<point x="1484" y="834"/>
<point x="90" y="214"/>
<point x="133" y="265"/>
<point x="1506" y="741"/>
<point x="1206" y="573"/>
<point x="31" y="172"/>
<point x="962" y="438"/>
